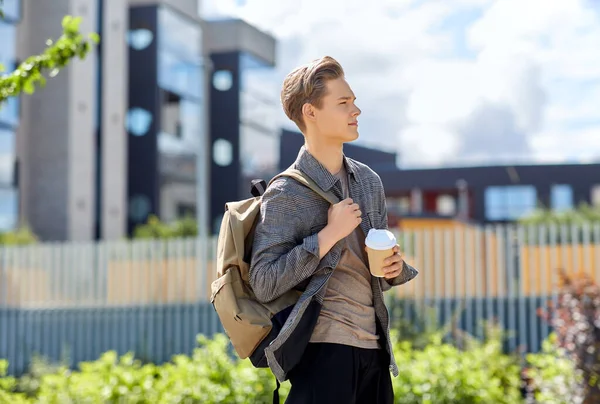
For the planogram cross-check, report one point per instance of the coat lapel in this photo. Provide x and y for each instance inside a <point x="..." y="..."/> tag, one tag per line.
<point x="358" y="196"/>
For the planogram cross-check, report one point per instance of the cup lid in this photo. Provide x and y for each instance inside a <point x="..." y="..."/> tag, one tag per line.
<point x="380" y="239"/>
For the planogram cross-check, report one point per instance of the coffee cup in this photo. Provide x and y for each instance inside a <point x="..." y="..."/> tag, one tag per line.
<point x="380" y="245"/>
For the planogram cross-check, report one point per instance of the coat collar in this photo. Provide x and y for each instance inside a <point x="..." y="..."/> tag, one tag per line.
<point x="309" y="165"/>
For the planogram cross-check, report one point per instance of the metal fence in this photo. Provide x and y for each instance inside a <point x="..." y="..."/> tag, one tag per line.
<point x="152" y="297"/>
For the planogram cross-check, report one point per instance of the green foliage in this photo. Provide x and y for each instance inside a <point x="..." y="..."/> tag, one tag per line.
<point x="155" y="229"/>
<point x="437" y="374"/>
<point x="209" y="376"/>
<point x="552" y="377"/>
<point x="583" y="214"/>
<point x="546" y="226"/>
<point x="57" y="55"/>
<point x="21" y="236"/>
<point x="441" y="373"/>
<point x="7" y="385"/>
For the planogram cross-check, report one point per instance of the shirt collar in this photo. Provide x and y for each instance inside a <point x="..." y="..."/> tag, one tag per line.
<point x="309" y="165"/>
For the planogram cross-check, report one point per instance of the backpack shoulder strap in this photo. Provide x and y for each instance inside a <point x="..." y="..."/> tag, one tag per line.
<point x="308" y="182"/>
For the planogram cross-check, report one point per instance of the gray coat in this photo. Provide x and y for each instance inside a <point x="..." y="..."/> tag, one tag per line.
<point x="285" y="254"/>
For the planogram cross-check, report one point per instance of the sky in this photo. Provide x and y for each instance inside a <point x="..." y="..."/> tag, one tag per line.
<point x="451" y="82"/>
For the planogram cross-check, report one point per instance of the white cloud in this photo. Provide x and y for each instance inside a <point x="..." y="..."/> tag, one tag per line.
<point x="462" y="81"/>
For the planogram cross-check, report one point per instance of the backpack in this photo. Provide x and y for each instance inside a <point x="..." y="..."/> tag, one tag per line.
<point x="249" y="324"/>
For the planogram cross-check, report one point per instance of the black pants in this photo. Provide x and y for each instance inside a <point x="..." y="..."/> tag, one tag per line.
<point x="334" y="373"/>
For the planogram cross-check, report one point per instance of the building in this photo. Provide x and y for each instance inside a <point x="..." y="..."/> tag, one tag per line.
<point x="72" y="138"/>
<point x="9" y="120"/>
<point x="491" y="194"/>
<point x="244" y="134"/>
<point x="166" y="118"/>
<point x="118" y="136"/>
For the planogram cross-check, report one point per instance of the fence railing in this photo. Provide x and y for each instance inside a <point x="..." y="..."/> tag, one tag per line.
<point x="153" y="296"/>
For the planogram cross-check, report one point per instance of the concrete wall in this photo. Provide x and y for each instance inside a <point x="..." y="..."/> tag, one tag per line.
<point x="233" y="35"/>
<point x="56" y="143"/>
<point x="189" y="7"/>
<point x="113" y="179"/>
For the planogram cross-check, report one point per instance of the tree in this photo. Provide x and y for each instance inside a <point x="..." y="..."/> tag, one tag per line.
<point x="57" y="55"/>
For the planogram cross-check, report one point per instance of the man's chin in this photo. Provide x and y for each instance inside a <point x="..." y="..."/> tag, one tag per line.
<point x="352" y="136"/>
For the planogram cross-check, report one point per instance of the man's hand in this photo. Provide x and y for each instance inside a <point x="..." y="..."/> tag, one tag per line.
<point x="394" y="264"/>
<point x="342" y="219"/>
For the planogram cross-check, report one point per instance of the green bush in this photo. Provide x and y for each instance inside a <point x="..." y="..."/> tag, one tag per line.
<point x="21" y="236"/>
<point x="7" y="387"/>
<point x="552" y="378"/>
<point x="209" y="376"/>
<point x="437" y="374"/>
<point x="441" y="373"/>
<point x="155" y="229"/>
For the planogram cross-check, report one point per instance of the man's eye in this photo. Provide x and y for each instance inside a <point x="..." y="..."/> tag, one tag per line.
<point x="343" y="102"/>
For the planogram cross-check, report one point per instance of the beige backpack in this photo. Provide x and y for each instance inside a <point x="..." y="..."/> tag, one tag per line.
<point x="246" y="321"/>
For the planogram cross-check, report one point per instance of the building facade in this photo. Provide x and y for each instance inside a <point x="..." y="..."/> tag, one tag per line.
<point x="58" y="134"/>
<point x="244" y="136"/>
<point x="126" y="133"/>
<point x="166" y="116"/>
<point x="492" y="194"/>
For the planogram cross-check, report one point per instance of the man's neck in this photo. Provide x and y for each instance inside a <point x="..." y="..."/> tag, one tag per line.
<point x="329" y="155"/>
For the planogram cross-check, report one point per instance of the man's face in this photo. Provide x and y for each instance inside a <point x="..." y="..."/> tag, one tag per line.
<point x="336" y="120"/>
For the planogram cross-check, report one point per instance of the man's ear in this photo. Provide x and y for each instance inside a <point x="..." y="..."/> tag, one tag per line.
<point x="308" y="112"/>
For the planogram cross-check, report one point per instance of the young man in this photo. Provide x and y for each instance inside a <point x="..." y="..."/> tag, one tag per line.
<point x="334" y="346"/>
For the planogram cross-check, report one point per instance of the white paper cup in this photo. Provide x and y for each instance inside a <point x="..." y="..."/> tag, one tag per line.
<point x="380" y="244"/>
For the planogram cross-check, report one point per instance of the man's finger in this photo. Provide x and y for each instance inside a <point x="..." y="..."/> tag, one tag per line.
<point x="393" y="259"/>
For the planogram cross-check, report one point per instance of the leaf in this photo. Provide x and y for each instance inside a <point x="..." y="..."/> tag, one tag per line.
<point x="66" y="20"/>
<point x="58" y="54"/>
<point x="29" y="87"/>
<point x="94" y="37"/>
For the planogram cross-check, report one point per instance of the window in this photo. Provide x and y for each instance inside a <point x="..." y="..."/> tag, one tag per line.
<point x="561" y="197"/>
<point x="140" y="39"/>
<point x="222" y="152"/>
<point x="11" y="10"/>
<point x="138" y="121"/>
<point x="259" y="152"/>
<point x="446" y="205"/>
<point x="259" y="133"/>
<point x="8" y="34"/>
<point x="179" y="75"/>
<point x="8" y="209"/>
<point x="179" y="54"/>
<point x="222" y="80"/>
<point x="398" y="205"/>
<point x="7" y="158"/>
<point x="186" y="210"/>
<point x="509" y="202"/>
<point x="180" y="125"/>
<point x="182" y="116"/>
<point x="139" y="208"/>
<point x="9" y="110"/>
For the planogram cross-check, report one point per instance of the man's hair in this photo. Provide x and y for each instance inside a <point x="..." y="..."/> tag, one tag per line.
<point x="307" y="84"/>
